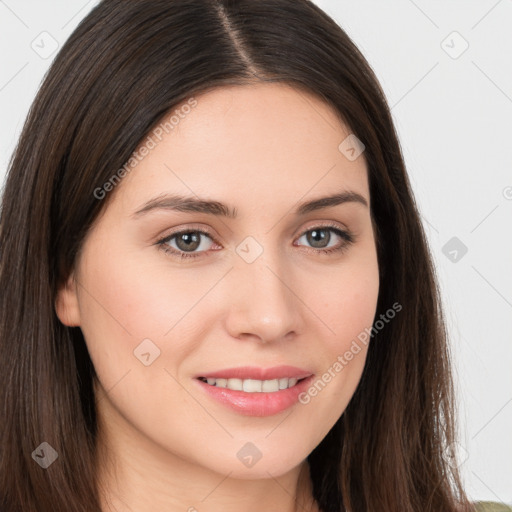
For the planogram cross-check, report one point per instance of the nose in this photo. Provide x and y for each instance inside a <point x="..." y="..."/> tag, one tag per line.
<point x="262" y="303"/>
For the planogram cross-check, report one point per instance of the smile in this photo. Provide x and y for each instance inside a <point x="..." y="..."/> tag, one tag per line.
<point x="253" y="385"/>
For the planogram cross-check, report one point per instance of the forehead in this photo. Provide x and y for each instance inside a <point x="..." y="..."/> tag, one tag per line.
<point x="261" y="143"/>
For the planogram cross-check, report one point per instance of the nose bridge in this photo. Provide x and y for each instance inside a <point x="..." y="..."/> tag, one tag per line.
<point x="263" y="303"/>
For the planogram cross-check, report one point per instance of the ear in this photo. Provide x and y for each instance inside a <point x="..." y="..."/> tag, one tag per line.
<point x="66" y="303"/>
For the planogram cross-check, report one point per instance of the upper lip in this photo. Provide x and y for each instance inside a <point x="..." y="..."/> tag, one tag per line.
<point x="257" y="373"/>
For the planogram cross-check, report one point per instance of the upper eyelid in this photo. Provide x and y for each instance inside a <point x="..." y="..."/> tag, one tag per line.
<point x="326" y="224"/>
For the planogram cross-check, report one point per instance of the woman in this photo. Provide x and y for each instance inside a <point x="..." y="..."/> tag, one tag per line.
<point x="217" y="292"/>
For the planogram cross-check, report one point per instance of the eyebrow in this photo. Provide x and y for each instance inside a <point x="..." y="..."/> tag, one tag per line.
<point x="180" y="203"/>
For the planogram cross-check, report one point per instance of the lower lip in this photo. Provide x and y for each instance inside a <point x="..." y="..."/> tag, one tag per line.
<point x="257" y="404"/>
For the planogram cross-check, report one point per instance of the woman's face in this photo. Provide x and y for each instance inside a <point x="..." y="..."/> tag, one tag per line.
<point x="159" y="310"/>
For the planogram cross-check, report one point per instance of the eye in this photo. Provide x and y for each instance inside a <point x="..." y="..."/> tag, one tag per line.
<point x="190" y="244"/>
<point x="184" y="242"/>
<point x="320" y="237"/>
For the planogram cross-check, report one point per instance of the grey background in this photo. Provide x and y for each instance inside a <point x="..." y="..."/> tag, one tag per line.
<point x="452" y="106"/>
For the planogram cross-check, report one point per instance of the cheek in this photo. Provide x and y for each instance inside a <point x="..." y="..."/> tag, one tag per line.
<point x="349" y="304"/>
<point x="119" y="308"/>
<point x="130" y="298"/>
<point x="126" y="309"/>
<point x="350" y="312"/>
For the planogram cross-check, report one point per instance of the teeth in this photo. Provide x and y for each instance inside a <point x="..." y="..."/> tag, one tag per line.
<point x="222" y="383"/>
<point x="253" y="385"/>
<point x="235" y="384"/>
<point x="283" y="383"/>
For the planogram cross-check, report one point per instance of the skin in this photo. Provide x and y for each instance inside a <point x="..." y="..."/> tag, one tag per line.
<point x="164" y="444"/>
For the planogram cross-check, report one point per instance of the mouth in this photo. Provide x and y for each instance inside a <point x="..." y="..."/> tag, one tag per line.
<point x="254" y="391"/>
<point x="253" y="385"/>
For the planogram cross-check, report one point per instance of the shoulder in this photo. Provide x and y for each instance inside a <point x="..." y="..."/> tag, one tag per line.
<point x="491" y="506"/>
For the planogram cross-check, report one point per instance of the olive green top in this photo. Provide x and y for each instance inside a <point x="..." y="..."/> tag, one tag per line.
<point x="491" y="506"/>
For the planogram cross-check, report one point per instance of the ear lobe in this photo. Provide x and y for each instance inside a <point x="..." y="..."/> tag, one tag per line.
<point x="66" y="303"/>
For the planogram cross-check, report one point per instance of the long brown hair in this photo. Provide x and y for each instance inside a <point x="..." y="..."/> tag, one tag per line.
<point x="123" y="69"/>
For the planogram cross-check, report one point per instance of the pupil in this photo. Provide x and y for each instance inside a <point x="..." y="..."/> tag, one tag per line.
<point x="189" y="240"/>
<point x="318" y="235"/>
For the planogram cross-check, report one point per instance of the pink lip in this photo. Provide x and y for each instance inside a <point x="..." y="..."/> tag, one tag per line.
<point x="253" y="372"/>
<point x="258" y="404"/>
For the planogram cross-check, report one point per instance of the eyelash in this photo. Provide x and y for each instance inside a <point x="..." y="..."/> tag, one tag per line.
<point x="348" y="238"/>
